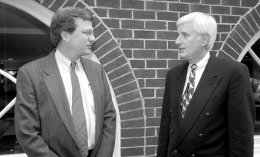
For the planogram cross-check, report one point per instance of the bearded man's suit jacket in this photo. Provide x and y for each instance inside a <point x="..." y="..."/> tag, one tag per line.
<point x="43" y="121"/>
<point x="219" y="121"/>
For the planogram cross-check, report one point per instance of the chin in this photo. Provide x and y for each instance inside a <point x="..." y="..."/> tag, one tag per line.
<point x="88" y="52"/>
<point x="182" y="56"/>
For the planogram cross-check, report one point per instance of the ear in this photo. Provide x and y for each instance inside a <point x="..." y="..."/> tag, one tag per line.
<point x="205" y="40"/>
<point x="65" y="36"/>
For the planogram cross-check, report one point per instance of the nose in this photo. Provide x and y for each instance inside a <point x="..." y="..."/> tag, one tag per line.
<point x="92" y="38"/>
<point x="177" y="42"/>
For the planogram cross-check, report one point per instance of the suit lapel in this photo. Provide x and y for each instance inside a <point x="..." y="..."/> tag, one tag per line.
<point x="178" y="84"/>
<point x="92" y="77"/>
<point x="56" y="88"/>
<point x="207" y="84"/>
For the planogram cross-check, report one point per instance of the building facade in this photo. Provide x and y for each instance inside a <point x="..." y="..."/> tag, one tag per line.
<point x="136" y="46"/>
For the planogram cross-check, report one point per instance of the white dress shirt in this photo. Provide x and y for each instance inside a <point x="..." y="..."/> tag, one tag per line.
<point x="198" y="72"/>
<point x="86" y="92"/>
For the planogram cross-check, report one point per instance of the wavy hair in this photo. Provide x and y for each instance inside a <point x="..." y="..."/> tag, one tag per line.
<point x="64" y="20"/>
<point x="203" y="24"/>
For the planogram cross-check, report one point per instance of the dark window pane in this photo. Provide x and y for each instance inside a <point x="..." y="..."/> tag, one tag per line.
<point x="254" y="70"/>
<point x="256" y="48"/>
<point x="23" y="38"/>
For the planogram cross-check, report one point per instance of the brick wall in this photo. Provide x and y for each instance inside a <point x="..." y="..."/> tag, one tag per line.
<point x="136" y="46"/>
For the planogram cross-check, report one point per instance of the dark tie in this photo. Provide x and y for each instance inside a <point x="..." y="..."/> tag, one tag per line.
<point x="78" y="114"/>
<point x="189" y="90"/>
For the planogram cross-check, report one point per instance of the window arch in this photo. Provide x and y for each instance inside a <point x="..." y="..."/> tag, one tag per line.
<point x="243" y="45"/>
<point x="33" y="8"/>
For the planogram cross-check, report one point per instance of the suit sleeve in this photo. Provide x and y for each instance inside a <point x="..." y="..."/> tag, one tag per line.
<point x="109" y="125"/>
<point x="241" y="114"/>
<point x="165" y="123"/>
<point x="27" y="122"/>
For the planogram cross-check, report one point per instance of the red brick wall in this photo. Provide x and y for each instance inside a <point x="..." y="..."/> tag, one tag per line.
<point x="136" y="46"/>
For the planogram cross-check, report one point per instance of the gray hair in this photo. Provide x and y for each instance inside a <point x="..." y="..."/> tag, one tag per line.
<point x="203" y="25"/>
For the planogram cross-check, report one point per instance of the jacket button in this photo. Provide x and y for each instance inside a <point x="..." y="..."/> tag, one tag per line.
<point x="175" y="151"/>
<point x="193" y="155"/>
<point x="207" y="114"/>
<point x="171" y="132"/>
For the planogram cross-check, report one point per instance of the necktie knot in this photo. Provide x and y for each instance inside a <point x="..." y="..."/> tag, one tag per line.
<point x="193" y="67"/>
<point x="73" y="65"/>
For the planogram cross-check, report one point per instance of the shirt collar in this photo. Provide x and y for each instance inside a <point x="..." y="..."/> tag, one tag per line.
<point x="63" y="61"/>
<point x="203" y="61"/>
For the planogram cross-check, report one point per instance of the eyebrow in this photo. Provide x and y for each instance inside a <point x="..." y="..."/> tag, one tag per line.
<point x="184" y="33"/>
<point x="88" y="30"/>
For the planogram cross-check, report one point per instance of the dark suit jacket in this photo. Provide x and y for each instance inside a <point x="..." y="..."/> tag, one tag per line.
<point x="219" y="121"/>
<point x="43" y="121"/>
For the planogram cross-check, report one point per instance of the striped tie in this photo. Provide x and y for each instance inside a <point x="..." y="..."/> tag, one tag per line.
<point x="189" y="90"/>
<point x="78" y="114"/>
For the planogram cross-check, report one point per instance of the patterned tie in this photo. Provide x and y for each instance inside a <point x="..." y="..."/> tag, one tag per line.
<point x="78" y="114"/>
<point x="189" y="90"/>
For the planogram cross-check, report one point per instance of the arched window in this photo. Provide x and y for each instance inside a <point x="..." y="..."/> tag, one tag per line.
<point x="18" y="34"/>
<point x="251" y="57"/>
